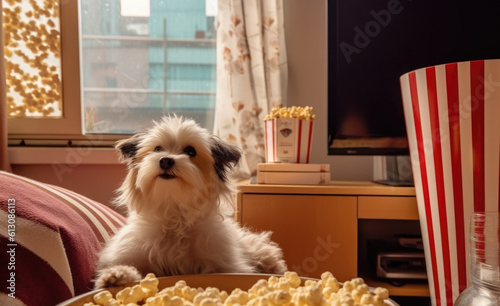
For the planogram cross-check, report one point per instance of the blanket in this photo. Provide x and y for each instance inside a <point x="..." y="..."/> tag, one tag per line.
<point x="49" y="238"/>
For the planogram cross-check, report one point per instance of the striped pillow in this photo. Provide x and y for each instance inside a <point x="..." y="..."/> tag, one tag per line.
<point x="50" y="238"/>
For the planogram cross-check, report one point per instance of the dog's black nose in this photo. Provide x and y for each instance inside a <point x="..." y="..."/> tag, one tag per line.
<point x="166" y="163"/>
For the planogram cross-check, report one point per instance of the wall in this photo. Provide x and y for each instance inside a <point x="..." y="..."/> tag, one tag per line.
<point x="305" y="24"/>
<point x="97" y="182"/>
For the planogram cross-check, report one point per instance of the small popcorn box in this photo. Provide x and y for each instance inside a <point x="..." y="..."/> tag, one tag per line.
<point x="288" y="140"/>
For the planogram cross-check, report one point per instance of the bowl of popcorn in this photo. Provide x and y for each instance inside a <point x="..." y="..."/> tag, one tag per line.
<point x="288" y="134"/>
<point x="238" y="289"/>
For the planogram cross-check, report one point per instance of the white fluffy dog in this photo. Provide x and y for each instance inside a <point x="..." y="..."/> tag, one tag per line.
<point x="178" y="198"/>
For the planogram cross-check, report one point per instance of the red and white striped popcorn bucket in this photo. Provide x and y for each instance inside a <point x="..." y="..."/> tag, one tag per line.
<point x="288" y="140"/>
<point x="452" y="114"/>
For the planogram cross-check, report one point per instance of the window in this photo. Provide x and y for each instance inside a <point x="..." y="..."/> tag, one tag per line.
<point x="126" y="62"/>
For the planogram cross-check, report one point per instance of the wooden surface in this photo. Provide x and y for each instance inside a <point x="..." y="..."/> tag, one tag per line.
<point x="333" y="188"/>
<point x="299" y="215"/>
<point x="387" y="207"/>
<point x="316" y="233"/>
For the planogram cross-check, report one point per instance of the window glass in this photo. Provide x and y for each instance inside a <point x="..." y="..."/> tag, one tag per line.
<point x="142" y="59"/>
<point x="32" y="58"/>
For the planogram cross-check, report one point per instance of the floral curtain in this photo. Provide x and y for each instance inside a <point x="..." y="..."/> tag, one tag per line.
<point x="4" y="159"/>
<point x="251" y="74"/>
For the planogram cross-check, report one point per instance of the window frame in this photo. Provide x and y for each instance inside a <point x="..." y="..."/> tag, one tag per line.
<point x="69" y="128"/>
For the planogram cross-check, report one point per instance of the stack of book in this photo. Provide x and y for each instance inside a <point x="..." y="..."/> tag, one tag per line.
<point x="293" y="174"/>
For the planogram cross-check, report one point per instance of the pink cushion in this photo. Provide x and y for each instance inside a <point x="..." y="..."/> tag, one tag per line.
<point x="51" y="237"/>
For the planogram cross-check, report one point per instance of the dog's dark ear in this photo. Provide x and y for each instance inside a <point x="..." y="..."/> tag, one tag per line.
<point x="225" y="156"/>
<point x="128" y="147"/>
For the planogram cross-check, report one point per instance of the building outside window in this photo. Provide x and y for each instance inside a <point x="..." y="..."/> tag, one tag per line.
<point x="160" y="56"/>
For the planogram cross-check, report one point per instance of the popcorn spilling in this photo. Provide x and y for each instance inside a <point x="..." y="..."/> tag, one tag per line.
<point x="304" y="113"/>
<point x="285" y="290"/>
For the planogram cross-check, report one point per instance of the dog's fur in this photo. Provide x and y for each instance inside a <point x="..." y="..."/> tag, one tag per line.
<point x="179" y="202"/>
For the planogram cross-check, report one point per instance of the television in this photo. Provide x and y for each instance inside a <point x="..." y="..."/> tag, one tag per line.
<point x="371" y="43"/>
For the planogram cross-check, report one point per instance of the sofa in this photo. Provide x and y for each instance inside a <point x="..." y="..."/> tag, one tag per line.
<point x="50" y="239"/>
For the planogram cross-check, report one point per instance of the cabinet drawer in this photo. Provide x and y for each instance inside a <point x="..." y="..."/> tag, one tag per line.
<point x="380" y="207"/>
<point x="317" y="233"/>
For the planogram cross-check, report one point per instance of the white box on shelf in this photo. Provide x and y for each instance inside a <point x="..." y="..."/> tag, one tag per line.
<point x="293" y="178"/>
<point x="292" y="167"/>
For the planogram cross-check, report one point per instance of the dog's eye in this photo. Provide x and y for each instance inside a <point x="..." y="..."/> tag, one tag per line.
<point x="190" y="151"/>
<point x="158" y="149"/>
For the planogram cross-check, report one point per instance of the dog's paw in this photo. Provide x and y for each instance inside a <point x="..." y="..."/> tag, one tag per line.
<point x="266" y="255"/>
<point x="274" y="266"/>
<point x="116" y="276"/>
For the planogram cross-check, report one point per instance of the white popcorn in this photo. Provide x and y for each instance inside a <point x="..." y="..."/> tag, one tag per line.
<point x="131" y="295"/>
<point x="259" y="301"/>
<point x="158" y="300"/>
<point x="210" y="302"/>
<point x="285" y="290"/>
<point x="113" y="302"/>
<point x="177" y="301"/>
<point x="237" y="297"/>
<point x="208" y="297"/>
<point x="150" y="282"/>
<point x="260" y="288"/>
<point x="274" y="280"/>
<point x="189" y="293"/>
<point x="382" y="293"/>
<point x="328" y="292"/>
<point x="279" y="297"/>
<point x="102" y="297"/>
<point x="284" y="284"/>
<point x="367" y="298"/>
<point x="357" y="281"/>
<point x="293" y="279"/>
<point x="343" y="299"/>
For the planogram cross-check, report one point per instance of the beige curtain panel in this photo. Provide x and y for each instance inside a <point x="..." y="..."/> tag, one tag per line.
<point x="251" y="74"/>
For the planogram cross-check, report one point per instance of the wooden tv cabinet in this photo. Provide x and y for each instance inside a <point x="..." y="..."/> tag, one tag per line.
<point x="318" y="225"/>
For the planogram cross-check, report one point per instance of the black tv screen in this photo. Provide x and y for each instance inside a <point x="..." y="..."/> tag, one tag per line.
<point x="371" y="43"/>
